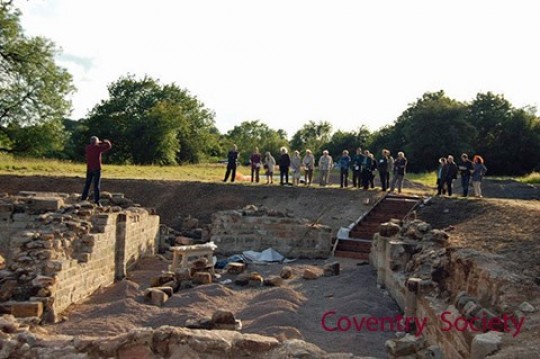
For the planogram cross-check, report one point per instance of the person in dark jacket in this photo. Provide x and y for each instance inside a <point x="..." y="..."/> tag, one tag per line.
<point x="451" y="173"/>
<point x="232" y="156"/>
<point x="442" y="172"/>
<point x="400" y="165"/>
<point x="256" y="163"/>
<point x="466" y="168"/>
<point x="384" y="169"/>
<point x="344" y="164"/>
<point x="284" y="163"/>
<point x="93" y="153"/>
<point x="357" y="168"/>
<point x="367" y="165"/>
<point x="478" y="174"/>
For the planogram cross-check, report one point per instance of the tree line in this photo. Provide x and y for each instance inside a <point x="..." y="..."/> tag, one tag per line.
<point x="164" y="124"/>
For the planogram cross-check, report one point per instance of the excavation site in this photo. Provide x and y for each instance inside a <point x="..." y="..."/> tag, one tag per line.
<point x="166" y="269"/>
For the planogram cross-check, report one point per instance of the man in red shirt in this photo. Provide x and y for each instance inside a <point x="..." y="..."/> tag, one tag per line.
<point x="93" y="166"/>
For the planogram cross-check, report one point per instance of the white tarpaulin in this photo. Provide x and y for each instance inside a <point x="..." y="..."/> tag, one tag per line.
<point x="268" y="255"/>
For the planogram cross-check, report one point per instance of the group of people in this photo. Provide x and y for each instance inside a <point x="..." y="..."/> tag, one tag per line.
<point x="363" y="165"/>
<point x="474" y="171"/>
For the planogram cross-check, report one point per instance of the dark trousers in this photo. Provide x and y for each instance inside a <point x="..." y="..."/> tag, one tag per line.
<point x="465" y="184"/>
<point x="309" y="176"/>
<point x="344" y="177"/>
<point x="385" y="177"/>
<point x="366" y="179"/>
<point x="440" y="187"/>
<point x="284" y="173"/>
<point x="449" y="185"/>
<point x="95" y="177"/>
<point x="230" y="170"/>
<point x="255" y="174"/>
<point x="356" y="178"/>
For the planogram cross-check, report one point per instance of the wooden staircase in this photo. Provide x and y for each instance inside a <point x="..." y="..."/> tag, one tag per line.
<point x="358" y="245"/>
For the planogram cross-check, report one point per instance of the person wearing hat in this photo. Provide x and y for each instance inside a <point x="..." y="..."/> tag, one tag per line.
<point x="325" y="166"/>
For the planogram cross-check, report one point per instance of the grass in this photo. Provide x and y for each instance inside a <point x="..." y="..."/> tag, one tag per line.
<point x="426" y="178"/>
<point x="207" y="172"/>
<point x="210" y="172"/>
<point x="533" y="178"/>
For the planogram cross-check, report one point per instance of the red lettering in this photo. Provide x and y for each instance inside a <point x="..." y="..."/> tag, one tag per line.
<point x="323" y="321"/>
<point x="443" y="318"/>
<point x="343" y="319"/>
<point x="370" y="321"/>
<point x="464" y="321"/>
<point x="358" y="325"/>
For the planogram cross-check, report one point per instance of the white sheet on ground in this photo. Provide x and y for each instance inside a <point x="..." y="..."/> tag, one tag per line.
<point x="268" y="255"/>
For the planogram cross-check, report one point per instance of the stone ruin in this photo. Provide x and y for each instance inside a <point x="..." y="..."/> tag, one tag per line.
<point x="59" y="251"/>
<point x="257" y="229"/>
<point x="431" y="280"/>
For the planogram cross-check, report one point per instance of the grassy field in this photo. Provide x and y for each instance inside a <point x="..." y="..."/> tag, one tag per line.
<point x="208" y="172"/>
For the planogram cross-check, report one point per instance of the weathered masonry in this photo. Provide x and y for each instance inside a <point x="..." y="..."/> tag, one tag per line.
<point x="257" y="229"/>
<point x="59" y="252"/>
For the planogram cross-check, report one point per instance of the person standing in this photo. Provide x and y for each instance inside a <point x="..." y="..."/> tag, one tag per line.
<point x="325" y="166"/>
<point x="451" y="173"/>
<point x="373" y="169"/>
<point x="400" y="165"/>
<point x="255" y="161"/>
<point x="269" y="164"/>
<point x="478" y="174"/>
<point x="466" y="168"/>
<point x="232" y="156"/>
<point x="367" y="165"/>
<point x="296" y="167"/>
<point x="93" y="153"/>
<point x="357" y="168"/>
<point x="284" y="163"/>
<point x="383" y="166"/>
<point x="309" y="167"/>
<point x="442" y="173"/>
<point x="344" y="164"/>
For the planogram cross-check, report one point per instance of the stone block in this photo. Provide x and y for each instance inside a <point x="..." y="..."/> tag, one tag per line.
<point x="331" y="269"/>
<point x="45" y="203"/>
<point x="155" y="296"/>
<point x="183" y="240"/>
<point x="309" y="274"/>
<point x="223" y="317"/>
<point x="27" y="309"/>
<point x="135" y="351"/>
<point x="235" y="268"/>
<point x="485" y="344"/>
<point x="255" y="279"/>
<point x="407" y="345"/>
<point x="274" y="281"/>
<point x="242" y="279"/>
<point x="389" y="229"/>
<point x="286" y="272"/>
<point x="166" y="289"/>
<point x="202" y="277"/>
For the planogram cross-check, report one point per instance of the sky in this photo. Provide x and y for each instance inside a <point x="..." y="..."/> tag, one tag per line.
<point x="285" y="63"/>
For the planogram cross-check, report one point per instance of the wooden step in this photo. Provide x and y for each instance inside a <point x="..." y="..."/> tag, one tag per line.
<point x="355" y="255"/>
<point x="354" y="246"/>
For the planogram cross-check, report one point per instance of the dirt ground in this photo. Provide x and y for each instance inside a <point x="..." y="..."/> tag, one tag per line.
<point x="504" y="223"/>
<point x="294" y="310"/>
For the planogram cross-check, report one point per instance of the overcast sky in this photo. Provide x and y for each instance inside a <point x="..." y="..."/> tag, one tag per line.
<point x="285" y="63"/>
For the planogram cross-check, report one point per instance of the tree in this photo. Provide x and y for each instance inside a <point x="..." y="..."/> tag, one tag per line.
<point x="251" y="134"/>
<point x="151" y="123"/>
<point x="432" y="127"/>
<point x="348" y="141"/>
<point x="312" y="136"/>
<point x="507" y="138"/>
<point x="33" y="89"/>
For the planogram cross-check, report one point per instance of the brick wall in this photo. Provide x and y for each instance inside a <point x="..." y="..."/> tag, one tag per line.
<point x="258" y="229"/>
<point x="59" y="254"/>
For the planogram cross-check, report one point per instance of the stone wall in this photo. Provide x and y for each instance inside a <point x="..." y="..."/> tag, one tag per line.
<point x="434" y="282"/>
<point x="259" y="228"/>
<point x="147" y="343"/>
<point x="61" y="252"/>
